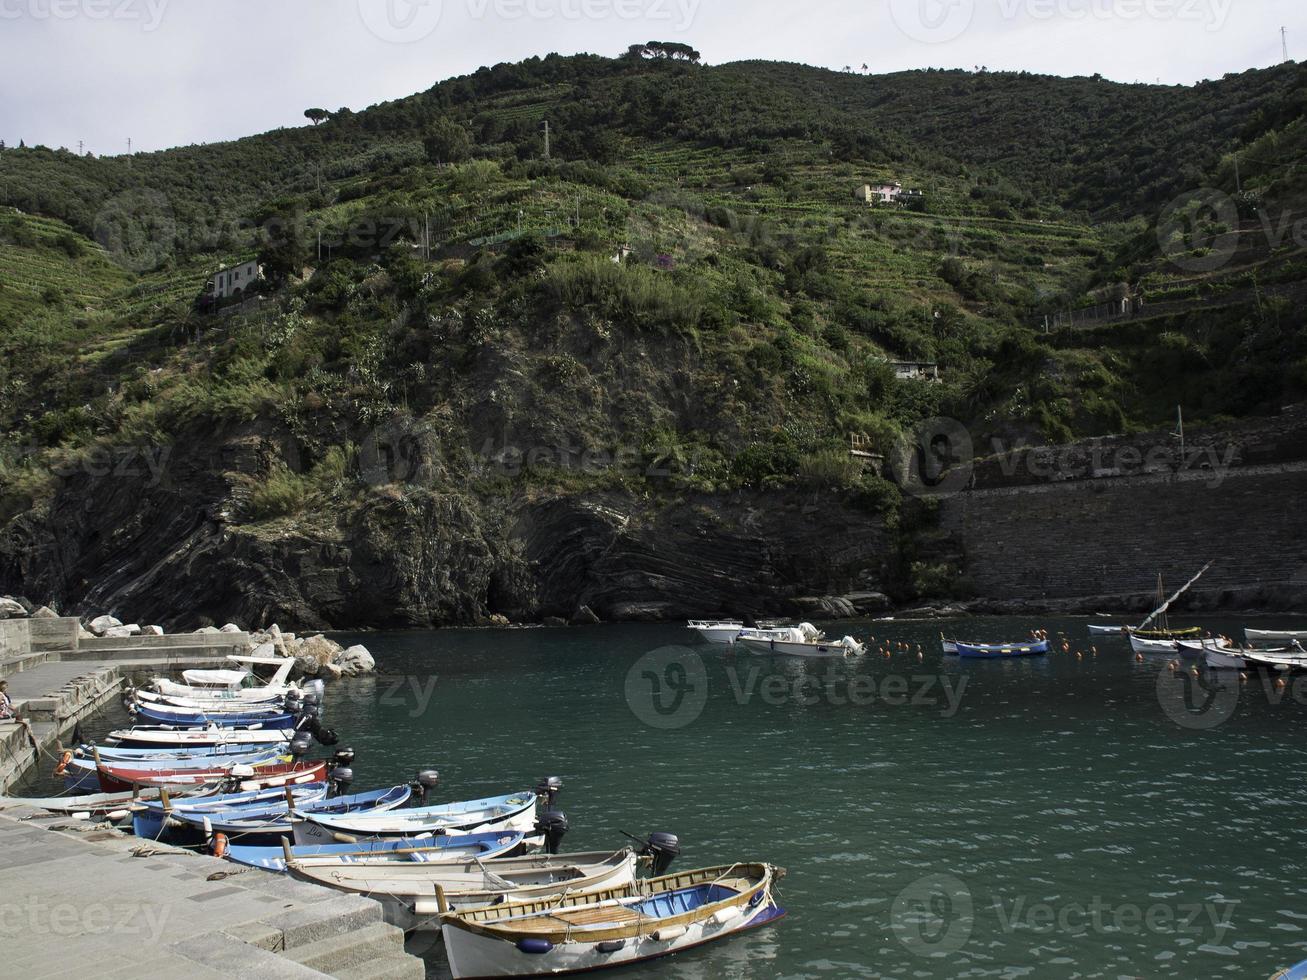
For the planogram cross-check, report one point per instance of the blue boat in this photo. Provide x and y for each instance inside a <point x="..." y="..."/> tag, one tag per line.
<point x="117" y="753"/>
<point x="149" y="819"/>
<point x="267" y="823"/>
<point x="1298" y="972"/>
<point x="460" y="848"/>
<point x="199" y="719"/>
<point x="995" y="651"/>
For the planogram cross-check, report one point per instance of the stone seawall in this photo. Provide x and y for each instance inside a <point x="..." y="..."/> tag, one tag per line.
<point x="1112" y="537"/>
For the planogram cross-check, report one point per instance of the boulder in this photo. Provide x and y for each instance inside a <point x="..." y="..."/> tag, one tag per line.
<point x="45" y="612"/>
<point x="265" y="650"/>
<point x="318" y="649"/>
<point x="122" y="632"/>
<point x="554" y="621"/>
<point x="585" y="616"/>
<point x="102" y="624"/>
<point x="11" y="609"/>
<point x="231" y="628"/>
<point x="330" y="672"/>
<point x="207" y="630"/>
<point x="498" y="621"/>
<point x="355" y="661"/>
<point x="151" y="631"/>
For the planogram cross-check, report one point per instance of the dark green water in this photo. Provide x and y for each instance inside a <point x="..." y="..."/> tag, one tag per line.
<point x="1057" y="817"/>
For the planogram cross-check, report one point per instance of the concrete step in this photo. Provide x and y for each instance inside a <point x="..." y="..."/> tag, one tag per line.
<point x="397" y="966"/>
<point x="185" y="655"/>
<point x="11" y="665"/>
<point x="350" y="950"/>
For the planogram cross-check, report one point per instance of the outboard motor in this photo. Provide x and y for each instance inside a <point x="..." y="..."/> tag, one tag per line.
<point x="548" y="789"/>
<point x="341" y="777"/>
<point x="423" y="784"/>
<point x="300" y="745"/>
<point x="664" y="849"/>
<point x="553" y="824"/>
<point x="292" y="702"/>
<point x="343" y="757"/>
<point x="315" y="688"/>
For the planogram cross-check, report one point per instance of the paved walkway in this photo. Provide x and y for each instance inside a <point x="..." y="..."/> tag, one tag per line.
<point x="77" y="902"/>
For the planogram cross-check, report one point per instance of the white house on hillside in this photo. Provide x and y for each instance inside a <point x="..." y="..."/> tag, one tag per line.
<point x="233" y="280"/>
<point x="885" y="193"/>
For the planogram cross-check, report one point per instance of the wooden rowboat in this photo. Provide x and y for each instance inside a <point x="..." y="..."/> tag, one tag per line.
<point x="409" y="891"/>
<point x="1275" y="636"/>
<point x="645" y="920"/>
<point x="167" y="736"/>
<point x="417" y="850"/>
<point x="996" y="651"/>
<point x="118" y="778"/>
<point x="501" y="813"/>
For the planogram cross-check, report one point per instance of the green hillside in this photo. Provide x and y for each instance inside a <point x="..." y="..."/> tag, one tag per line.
<point x="747" y="329"/>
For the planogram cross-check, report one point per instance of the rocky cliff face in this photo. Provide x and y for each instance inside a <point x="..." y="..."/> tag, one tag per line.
<point x="165" y="549"/>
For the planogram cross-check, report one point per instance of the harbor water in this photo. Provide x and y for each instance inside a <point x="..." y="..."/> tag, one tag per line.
<point x="1081" y="815"/>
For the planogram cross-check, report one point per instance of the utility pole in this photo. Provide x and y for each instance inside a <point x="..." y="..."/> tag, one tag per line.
<point x="129" y="146"/>
<point x="546" y="139"/>
<point x="81" y="147"/>
<point x="1238" y="180"/>
<point x="1284" y="43"/>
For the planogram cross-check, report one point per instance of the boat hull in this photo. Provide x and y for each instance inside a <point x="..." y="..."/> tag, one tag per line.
<point x="509" y="815"/>
<point x="787" y="648"/>
<point x="607" y="939"/>
<point x="435" y="849"/>
<point x="719" y="634"/>
<point x="1001" y="651"/>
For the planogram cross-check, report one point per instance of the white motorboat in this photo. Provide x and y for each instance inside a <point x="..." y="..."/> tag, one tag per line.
<point x="1275" y="636"/>
<point x="801" y="641"/>
<point x="240" y="685"/>
<point x="721" y="632"/>
<point x="1109" y="630"/>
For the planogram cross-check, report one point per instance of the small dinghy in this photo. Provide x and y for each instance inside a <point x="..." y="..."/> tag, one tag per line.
<point x="156" y="819"/>
<point x="393" y="850"/>
<point x="995" y="651"/>
<point x="168" y="736"/>
<point x="501" y="813"/>
<point x="645" y="920"/>
<point x="1108" y="630"/>
<point x="116" y="806"/>
<point x="83" y="773"/>
<point x="119" y="778"/>
<point x="1197" y="648"/>
<point x="1143" y="645"/>
<point x="269" y="823"/>
<point x="273" y="718"/>
<point x="409" y="890"/>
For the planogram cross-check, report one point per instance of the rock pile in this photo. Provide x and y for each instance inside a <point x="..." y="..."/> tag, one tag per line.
<point x="315" y="656"/>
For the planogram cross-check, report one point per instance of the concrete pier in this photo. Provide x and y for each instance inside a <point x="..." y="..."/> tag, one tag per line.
<point x="57" y="677"/>
<point x="80" y="900"/>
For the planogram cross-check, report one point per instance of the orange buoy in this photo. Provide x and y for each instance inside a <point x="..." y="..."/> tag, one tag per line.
<point x="219" y="845"/>
<point x="65" y="760"/>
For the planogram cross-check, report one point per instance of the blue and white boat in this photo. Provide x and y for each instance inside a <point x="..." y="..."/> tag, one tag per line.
<point x="149" y="819"/>
<point x="423" y="849"/>
<point x="118" y="753"/>
<point x="516" y="812"/>
<point x="175" y="737"/>
<point x="995" y="651"/>
<point x="268" y="823"/>
<point x="202" y="719"/>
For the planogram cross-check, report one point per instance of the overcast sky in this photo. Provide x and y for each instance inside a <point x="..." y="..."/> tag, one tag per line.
<point x="170" y="72"/>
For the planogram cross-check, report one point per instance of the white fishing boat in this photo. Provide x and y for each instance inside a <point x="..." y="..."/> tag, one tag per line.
<point x="1275" y="636"/>
<point x="501" y="813"/>
<point x="801" y="641"/>
<point x="1197" y="648"/>
<point x="1291" y="661"/>
<point x="239" y="684"/>
<point x="160" y="736"/>
<point x="1141" y="645"/>
<point x="722" y="632"/>
<point x="408" y="891"/>
<point x="1109" y="630"/>
<point x="611" y="927"/>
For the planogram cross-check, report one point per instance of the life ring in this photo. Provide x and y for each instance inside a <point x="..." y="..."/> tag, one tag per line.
<point x="65" y="761"/>
<point x="220" y="845"/>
